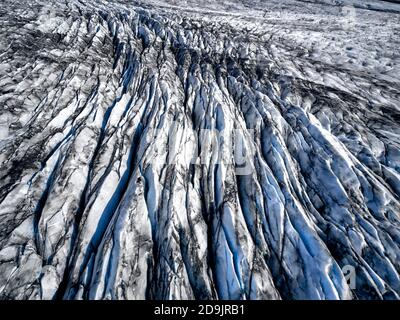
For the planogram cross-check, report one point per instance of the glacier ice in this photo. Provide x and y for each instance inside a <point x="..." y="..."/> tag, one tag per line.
<point x="199" y="149"/>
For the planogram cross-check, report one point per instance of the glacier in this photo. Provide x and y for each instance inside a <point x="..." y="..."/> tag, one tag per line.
<point x="199" y="149"/>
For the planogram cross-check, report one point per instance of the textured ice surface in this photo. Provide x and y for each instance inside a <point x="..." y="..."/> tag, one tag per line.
<point x="121" y="123"/>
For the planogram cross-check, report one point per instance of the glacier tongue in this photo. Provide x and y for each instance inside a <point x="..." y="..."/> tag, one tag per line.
<point x="199" y="150"/>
